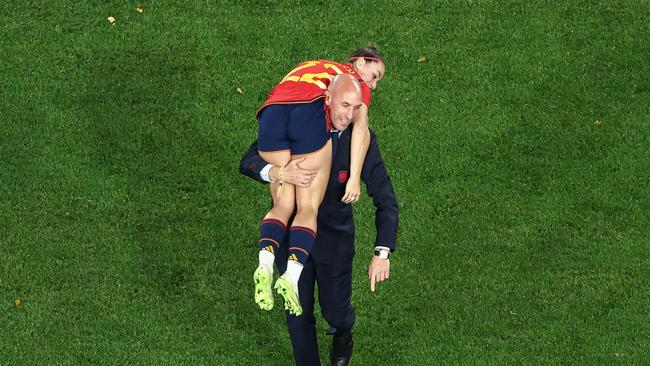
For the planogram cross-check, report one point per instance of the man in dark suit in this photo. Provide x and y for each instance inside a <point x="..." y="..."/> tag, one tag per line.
<point x="330" y="263"/>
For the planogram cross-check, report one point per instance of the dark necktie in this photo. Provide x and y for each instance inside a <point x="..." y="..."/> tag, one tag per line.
<point x="335" y="141"/>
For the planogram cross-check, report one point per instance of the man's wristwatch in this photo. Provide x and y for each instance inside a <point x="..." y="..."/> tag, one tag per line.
<point x="382" y="253"/>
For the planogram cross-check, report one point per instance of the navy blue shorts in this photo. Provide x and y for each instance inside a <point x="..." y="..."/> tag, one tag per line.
<point x="300" y="128"/>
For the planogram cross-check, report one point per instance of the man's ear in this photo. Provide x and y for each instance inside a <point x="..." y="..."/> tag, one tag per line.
<point x="328" y="97"/>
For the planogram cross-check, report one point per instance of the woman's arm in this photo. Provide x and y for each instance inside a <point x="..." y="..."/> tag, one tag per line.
<point x="358" y="149"/>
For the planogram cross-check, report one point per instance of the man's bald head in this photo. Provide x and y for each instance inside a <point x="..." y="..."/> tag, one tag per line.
<point x="343" y="98"/>
<point x="344" y="83"/>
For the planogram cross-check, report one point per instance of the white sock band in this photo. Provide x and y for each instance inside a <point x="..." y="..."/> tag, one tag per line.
<point x="266" y="259"/>
<point x="294" y="269"/>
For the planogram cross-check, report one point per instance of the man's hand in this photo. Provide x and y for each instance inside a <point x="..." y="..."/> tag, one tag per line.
<point x="379" y="270"/>
<point x="294" y="173"/>
<point x="352" y="191"/>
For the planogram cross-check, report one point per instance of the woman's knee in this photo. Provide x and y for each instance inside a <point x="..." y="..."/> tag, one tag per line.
<point x="285" y="206"/>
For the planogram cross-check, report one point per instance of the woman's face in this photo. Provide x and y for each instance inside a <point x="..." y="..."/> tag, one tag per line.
<point x="371" y="72"/>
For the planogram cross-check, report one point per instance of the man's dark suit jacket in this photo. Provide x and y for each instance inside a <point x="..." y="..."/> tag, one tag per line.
<point x="335" y="234"/>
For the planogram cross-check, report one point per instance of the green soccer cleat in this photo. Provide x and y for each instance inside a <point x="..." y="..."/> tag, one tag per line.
<point x="290" y="295"/>
<point x="263" y="293"/>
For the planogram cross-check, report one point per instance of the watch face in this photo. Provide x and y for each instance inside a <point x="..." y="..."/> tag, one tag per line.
<point x="381" y="254"/>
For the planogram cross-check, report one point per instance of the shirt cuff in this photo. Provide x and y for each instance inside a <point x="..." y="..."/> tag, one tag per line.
<point x="264" y="173"/>
<point x="379" y="247"/>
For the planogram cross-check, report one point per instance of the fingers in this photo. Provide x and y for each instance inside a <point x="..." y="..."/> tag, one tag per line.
<point x="352" y="191"/>
<point x="350" y="197"/>
<point x="305" y="179"/>
<point x="300" y="160"/>
<point x="371" y="276"/>
<point x="377" y="275"/>
<point x="298" y="175"/>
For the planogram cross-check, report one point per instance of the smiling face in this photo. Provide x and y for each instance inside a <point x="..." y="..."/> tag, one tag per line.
<point x="343" y="98"/>
<point x="370" y="71"/>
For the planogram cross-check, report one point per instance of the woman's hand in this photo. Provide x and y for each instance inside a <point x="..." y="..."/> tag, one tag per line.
<point x="352" y="191"/>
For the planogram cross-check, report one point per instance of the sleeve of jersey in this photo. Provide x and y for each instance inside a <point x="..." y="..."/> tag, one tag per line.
<point x="365" y="94"/>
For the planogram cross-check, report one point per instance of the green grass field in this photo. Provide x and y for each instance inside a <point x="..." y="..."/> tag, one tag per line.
<point x="519" y="152"/>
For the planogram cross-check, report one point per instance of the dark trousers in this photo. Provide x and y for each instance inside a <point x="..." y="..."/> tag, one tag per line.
<point x="334" y="296"/>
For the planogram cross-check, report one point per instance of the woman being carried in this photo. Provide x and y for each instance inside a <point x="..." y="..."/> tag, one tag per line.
<point x="294" y="122"/>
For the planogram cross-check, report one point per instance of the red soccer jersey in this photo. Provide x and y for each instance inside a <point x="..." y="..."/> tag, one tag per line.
<point x="309" y="81"/>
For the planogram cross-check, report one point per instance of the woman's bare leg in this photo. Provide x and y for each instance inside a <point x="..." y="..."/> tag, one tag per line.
<point x="273" y="230"/>
<point x="303" y="229"/>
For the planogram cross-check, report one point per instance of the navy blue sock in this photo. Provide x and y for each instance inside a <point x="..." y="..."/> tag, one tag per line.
<point x="272" y="233"/>
<point x="301" y="240"/>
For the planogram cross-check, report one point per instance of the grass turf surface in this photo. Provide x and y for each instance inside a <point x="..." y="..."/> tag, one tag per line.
<point x="518" y="151"/>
